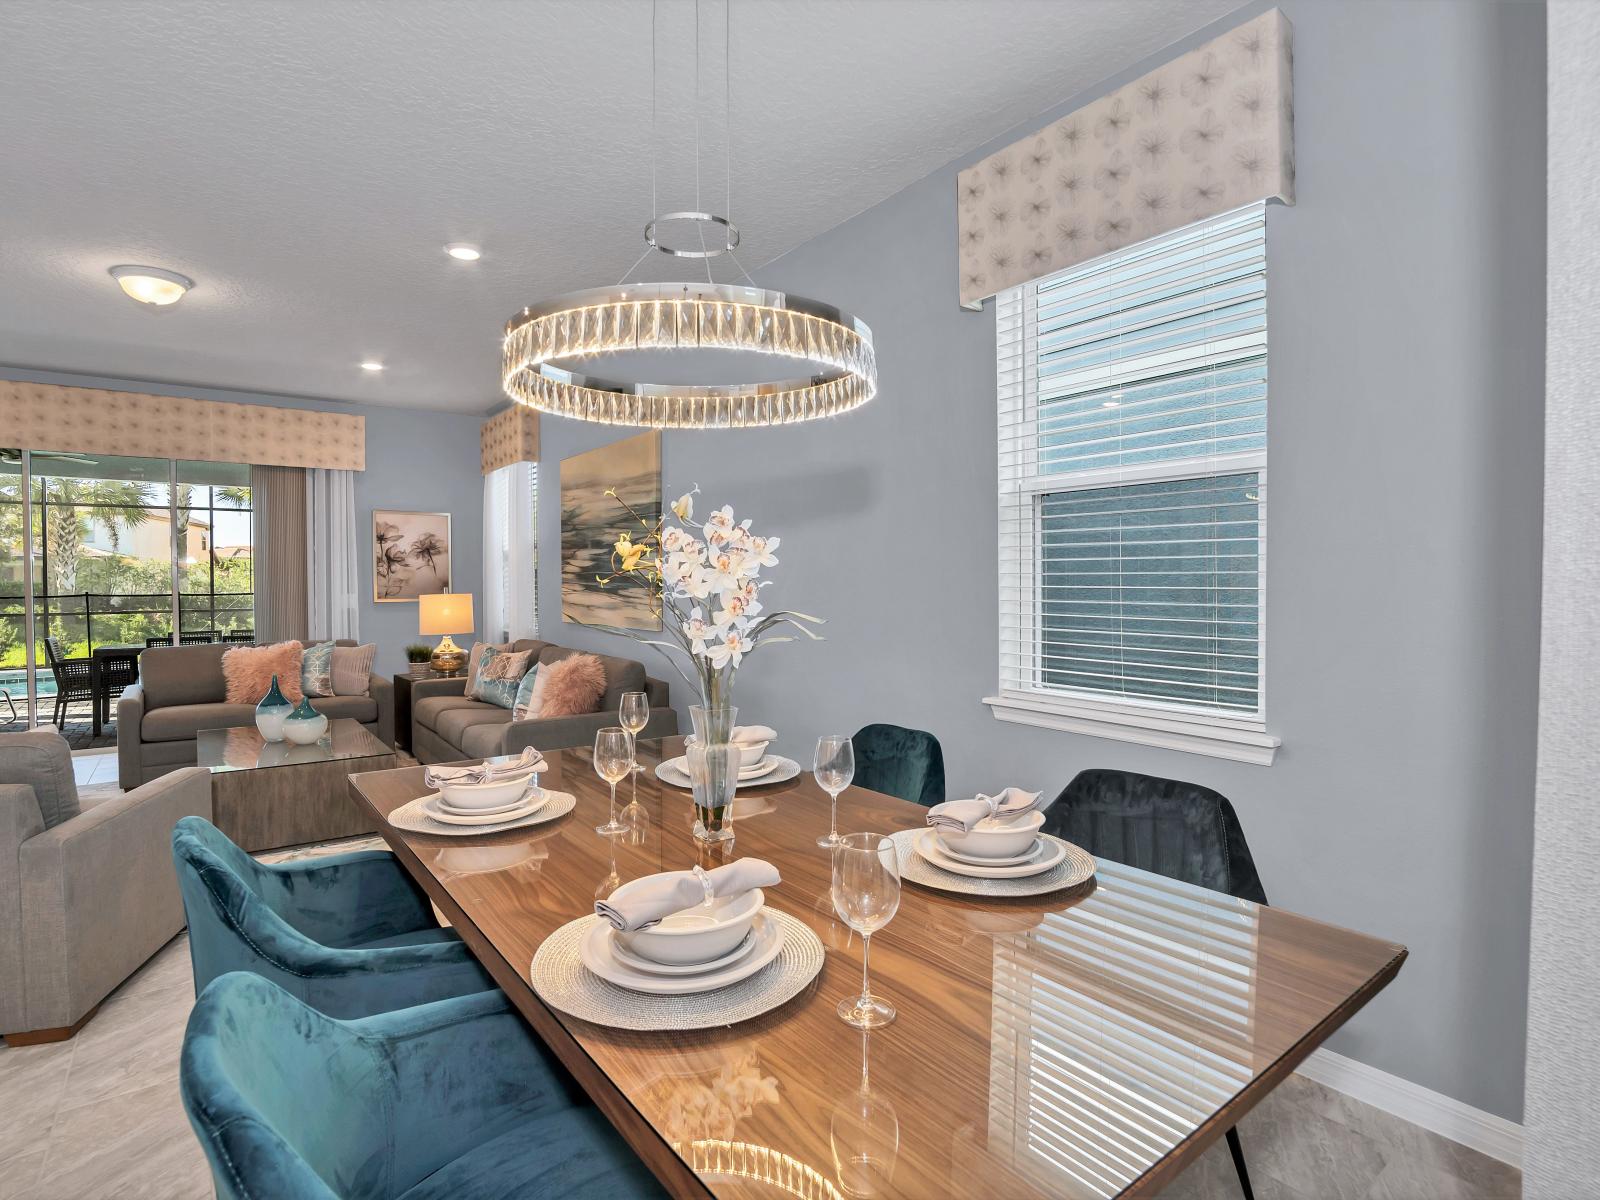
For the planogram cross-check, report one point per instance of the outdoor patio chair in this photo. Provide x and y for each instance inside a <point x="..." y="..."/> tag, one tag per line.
<point x="72" y="676"/>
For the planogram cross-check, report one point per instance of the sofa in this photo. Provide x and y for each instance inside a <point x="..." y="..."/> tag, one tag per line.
<point x="87" y="891"/>
<point x="446" y="726"/>
<point x="181" y="691"/>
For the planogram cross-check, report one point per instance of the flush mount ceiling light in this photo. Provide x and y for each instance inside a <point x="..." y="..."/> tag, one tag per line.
<point x="543" y="341"/>
<point x="463" y="251"/>
<point x="151" y="285"/>
<point x="372" y="364"/>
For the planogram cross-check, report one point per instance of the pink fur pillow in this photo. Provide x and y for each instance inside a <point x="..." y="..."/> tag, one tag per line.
<point x="572" y="687"/>
<point x="248" y="671"/>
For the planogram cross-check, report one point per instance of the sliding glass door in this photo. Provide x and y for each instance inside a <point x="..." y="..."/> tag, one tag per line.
<point x="215" y="550"/>
<point x="16" y="711"/>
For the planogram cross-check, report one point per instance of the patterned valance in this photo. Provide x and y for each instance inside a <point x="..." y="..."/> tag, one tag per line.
<point x="509" y="437"/>
<point x="1210" y="131"/>
<point x="45" y="416"/>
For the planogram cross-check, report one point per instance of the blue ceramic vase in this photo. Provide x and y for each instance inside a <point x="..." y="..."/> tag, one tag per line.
<point x="272" y="711"/>
<point x="305" y="724"/>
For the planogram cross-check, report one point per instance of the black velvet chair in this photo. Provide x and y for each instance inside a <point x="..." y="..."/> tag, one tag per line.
<point x="1180" y="830"/>
<point x="900" y="762"/>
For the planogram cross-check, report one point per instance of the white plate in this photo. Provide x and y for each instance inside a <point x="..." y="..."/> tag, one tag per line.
<point x="784" y="769"/>
<point x="595" y="953"/>
<point x="766" y="766"/>
<point x="628" y="959"/>
<point x="927" y="845"/>
<point x="434" y="807"/>
<point x="411" y="818"/>
<point x="1015" y="860"/>
<point x="438" y="801"/>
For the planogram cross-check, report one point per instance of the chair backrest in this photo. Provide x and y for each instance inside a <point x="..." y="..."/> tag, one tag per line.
<point x="52" y="651"/>
<point x="900" y="762"/>
<point x="1180" y="830"/>
<point x="244" y="636"/>
<point x="164" y="640"/>
<point x="196" y="639"/>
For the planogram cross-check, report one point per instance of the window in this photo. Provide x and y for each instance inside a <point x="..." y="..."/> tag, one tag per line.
<point x="511" y="551"/>
<point x="1133" y="486"/>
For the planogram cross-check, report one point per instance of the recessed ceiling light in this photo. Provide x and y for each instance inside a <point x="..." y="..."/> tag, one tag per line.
<point x="463" y="251"/>
<point x="372" y="364"/>
<point x="151" y="285"/>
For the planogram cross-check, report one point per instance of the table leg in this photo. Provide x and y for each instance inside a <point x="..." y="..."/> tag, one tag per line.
<point x="96" y="669"/>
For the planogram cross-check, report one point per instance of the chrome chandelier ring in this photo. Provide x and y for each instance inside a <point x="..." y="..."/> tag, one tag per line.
<point x="729" y="231"/>
<point x="665" y="316"/>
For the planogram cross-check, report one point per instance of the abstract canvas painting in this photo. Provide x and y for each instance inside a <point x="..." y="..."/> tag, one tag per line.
<point x="591" y="522"/>
<point x="410" y="554"/>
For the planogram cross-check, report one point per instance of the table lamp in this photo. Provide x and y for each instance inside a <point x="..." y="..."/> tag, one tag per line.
<point x="446" y="613"/>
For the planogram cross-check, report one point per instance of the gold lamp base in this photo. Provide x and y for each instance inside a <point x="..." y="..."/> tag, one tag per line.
<point x="447" y="657"/>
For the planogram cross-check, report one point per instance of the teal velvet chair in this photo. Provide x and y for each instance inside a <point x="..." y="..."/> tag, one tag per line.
<point x="350" y="934"/>
<point x="900" y="762"/>
<point x="450" y="1099"/>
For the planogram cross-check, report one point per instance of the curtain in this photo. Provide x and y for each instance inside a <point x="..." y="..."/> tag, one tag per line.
<point x="332" y="581"/>
<point x="278" y="498"/>
<point x="510" y="551"/>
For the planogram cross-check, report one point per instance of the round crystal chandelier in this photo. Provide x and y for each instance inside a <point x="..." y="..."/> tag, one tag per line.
<point x="545" y="343"/>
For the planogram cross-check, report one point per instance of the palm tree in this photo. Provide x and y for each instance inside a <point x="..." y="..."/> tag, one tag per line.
<point x="117" y="505"/>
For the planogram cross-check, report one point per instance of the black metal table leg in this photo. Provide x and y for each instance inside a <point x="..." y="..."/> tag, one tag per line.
<point x="1238" y="1163"/>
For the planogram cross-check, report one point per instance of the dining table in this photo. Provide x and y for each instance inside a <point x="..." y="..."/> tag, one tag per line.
<point x="106" y="663"/>
<point x="1087" y="1043"/>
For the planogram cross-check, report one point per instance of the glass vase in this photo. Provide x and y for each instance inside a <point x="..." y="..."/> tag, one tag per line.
<point x="272" y="711"/>
<point x="713" y="770"/>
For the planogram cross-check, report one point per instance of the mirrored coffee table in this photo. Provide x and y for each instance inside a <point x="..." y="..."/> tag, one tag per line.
<point x="266" y="795"/>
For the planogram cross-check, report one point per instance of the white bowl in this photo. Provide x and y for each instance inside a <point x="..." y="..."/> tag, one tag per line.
<point x="750" y="754"/>
<point x="475" y="796"/>
<point x="995" y="837"/>
<point x="696" y="935"/>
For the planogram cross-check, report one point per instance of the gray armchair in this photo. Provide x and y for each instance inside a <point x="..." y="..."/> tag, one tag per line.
<point x="87" y="892"/>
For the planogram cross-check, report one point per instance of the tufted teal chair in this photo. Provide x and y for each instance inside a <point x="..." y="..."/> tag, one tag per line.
<point x="900" y="762"/>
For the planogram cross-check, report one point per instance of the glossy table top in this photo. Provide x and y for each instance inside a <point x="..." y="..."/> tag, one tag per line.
<point x="244" y="749"/>
<point x="1064" y="1046"/>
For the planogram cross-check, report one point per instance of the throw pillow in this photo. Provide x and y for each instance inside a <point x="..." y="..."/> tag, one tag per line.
<point x="500" y="673"/>
<point x="316" y="669"/>
<point x="248" y="672"/>
<point x="530" y="695"/>
<point x="43" y="761"/>
<point x="352" y="669"/>
<point x="574" y="686"/>
<point x="475" y="657"/>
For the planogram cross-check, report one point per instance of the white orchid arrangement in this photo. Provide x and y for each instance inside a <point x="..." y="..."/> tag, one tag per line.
<point x="705" y="583"/>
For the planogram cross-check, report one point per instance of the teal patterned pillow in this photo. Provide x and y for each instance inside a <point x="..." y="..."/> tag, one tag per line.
<point x="316" y="670"/>
<point x="526" y="706"/>
<point x="500" y="675"/>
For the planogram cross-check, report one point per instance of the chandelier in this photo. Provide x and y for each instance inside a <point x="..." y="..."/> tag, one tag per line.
<point x="545" y="343"/>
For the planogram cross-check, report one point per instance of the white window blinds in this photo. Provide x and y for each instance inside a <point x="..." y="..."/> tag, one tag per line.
<point x="1132" y="439"/>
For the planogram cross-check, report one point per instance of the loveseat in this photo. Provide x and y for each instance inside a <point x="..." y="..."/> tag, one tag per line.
<point x="446" y="726"/>
<point x="181" y="691"/>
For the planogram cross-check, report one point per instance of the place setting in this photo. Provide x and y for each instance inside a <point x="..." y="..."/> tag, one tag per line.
<point x="487" y="797"/>
<point x="679" y="950"/>
<point x="991" y="846"/>
<point x="757" y="767"/>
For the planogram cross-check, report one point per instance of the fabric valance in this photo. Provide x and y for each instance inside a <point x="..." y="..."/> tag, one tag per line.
<point x="510" y="436"/>
<point x="1210" y="131"/>
<point x="45" y="416"/>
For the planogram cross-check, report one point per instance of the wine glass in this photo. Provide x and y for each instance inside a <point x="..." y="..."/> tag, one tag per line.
<point x="864" y="1133"/>
<point x="613" y="755"/>
<point x="833" y="768"/>
<point x="866" y="894"/>
<point x="634" y="716"/>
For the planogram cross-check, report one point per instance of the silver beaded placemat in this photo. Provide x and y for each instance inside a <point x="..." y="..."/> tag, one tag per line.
<point x="413" y="819"/>
<point x="1074" y="869"/>
<point x="564" y="983"/>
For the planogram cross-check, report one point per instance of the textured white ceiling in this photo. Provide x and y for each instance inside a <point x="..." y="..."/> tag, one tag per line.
<point x="306" y="161"/>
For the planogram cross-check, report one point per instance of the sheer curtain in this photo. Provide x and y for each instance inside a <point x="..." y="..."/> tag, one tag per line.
<point x="332" y="581"/>
<point x="511" y="552"/>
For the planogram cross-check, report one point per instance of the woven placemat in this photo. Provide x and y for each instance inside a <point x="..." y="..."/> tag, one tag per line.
<point x="1077" y="867"/>
<point x="564" y="983"/>
<point x="412" y="819"/>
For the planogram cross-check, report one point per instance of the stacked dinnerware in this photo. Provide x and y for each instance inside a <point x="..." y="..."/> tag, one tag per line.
<point x="486" y="793"/>
<point x="756" y="765"/>
<point x="990" y="837"/>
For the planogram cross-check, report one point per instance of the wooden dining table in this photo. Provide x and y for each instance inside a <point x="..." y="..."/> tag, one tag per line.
<point x="1089" y="1043"/>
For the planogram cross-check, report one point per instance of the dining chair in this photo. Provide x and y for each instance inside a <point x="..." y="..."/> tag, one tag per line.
<point x="349" y="934"/>
<point x="203" y="638"/>
<point x="242" y="636"/>
<point x="118" y="669"/>
<point x="902" y="762"/>
<point x="73" y="678"/>
<point x="164" y="639"/>
<point x="456" y="1098"/>
<point x="1180" y="830"/>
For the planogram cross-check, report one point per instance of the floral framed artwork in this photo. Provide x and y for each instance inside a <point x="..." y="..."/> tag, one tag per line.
<point x="410" y="555"/>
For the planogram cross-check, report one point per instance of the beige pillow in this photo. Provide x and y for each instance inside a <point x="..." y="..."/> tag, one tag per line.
<point x="352" y="669"/>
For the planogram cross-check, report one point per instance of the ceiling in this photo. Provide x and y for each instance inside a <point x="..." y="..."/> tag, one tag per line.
<point x="306" y="162"/>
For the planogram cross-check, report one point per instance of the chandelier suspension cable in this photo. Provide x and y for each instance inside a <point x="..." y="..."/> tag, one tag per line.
<point x="655" y="207"/>
<point x="699" y="226"/>
<point x="727" y="114"/>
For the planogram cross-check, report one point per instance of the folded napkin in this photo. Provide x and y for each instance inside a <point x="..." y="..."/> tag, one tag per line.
<point x="649" y="903"/>
<point x="964" y="814"/>
<point x="749" y="735"/>
<point x="526" y="763"/>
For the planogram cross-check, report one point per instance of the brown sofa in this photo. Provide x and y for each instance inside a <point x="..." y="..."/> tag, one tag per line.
<point x="181" y="691"/>
<point x="447" y="727"/>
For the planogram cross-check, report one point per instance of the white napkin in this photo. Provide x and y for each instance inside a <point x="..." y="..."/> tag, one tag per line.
<point x="964" y="814"/>
<point x="670" y="892"/>
<point x="749" y="735"/>
<point x="529" y="761"/>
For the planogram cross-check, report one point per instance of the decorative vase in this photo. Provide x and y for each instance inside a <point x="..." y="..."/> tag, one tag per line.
<point x="272" y="710"/>
<point x="713" y="770"/>
<point x="305" y="724"/>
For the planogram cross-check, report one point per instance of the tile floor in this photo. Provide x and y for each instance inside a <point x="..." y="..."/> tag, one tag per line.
<point x="98" y="1117"/>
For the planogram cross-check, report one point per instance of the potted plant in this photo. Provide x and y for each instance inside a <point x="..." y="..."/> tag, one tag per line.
<point x="418" y="656"/>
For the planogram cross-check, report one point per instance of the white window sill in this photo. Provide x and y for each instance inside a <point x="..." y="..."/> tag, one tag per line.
<point x="1246" y="742"/>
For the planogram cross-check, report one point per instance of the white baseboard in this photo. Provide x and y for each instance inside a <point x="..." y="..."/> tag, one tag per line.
<point x="1471" y="1127"/>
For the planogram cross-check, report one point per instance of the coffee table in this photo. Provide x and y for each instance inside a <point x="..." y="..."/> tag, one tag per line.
<point x="265" y="795"/>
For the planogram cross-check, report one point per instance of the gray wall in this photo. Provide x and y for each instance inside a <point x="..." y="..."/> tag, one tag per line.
<point x="1407" y="307"/>
<point x="416" y="459"/>
<point x="1563" y="1088"/>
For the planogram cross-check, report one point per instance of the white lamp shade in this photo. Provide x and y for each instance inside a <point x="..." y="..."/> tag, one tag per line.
<point x="444" y="613"/>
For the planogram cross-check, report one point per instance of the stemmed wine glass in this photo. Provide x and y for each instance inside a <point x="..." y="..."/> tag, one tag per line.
<point x="613" y="755"/>
<point x="833" y="768"/>
<point x="634" y="716"/>
<point x="866" y="895"/>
